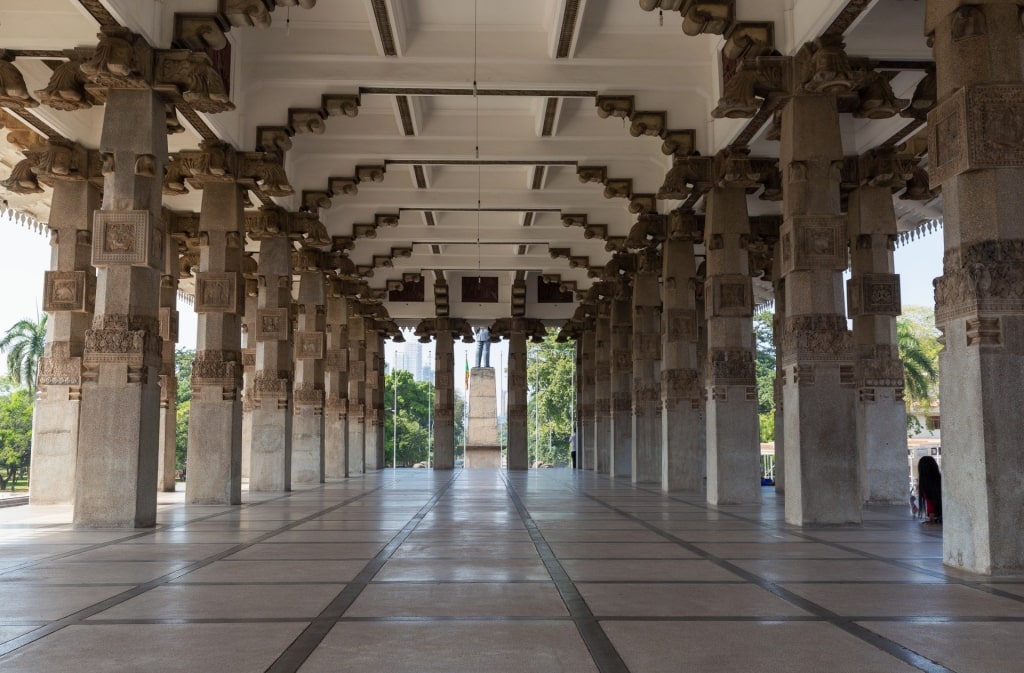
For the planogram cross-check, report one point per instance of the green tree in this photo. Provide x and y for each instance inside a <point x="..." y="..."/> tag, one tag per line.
<point x="414" y="413"/>
<point x="24" y="344"/>
<point x="183" y="358"/>
<point x="764" y="366"/>
<point x="918" y="348"/>
<point x="551" y="405"/>
<point x="15" y="434"/>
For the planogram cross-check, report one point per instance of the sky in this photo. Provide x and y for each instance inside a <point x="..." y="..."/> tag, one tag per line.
<point x="25" y="255"/>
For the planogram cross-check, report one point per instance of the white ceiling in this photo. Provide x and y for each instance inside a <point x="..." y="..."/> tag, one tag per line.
<point x="508" y="47"/>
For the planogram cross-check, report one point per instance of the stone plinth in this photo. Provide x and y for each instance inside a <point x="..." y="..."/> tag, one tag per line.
<point x="482" y="448"/>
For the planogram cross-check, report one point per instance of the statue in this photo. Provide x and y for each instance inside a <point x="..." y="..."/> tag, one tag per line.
<point x="483" y="347"/>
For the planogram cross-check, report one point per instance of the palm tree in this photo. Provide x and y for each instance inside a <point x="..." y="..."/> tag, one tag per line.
<point x="919" y="369"/>
<point x="24" y="344"/>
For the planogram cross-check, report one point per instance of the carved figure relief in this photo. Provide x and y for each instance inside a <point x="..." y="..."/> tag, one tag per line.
<point x="216" y="292"/>
<point x="272" y="324"/>
<point x="122" y="237"/>
<point x="309" y="345"/>
<point x="65" y="291"/>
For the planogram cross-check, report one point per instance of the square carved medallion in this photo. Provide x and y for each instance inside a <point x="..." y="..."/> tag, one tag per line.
<point x="272" y="324"/>
<point x="216" y="292"/>
<point x="65" y="291"/>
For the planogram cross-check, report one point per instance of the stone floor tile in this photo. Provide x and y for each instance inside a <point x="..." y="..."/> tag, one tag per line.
<point x="460" y="599"/>
<point x="235" y="601"/>
<point x="167" y="648"/>
<point x="453" y="647"/>
<point x="462" y="570"/>
<point x="685" y="600"/>
<point x="746" y="647"/>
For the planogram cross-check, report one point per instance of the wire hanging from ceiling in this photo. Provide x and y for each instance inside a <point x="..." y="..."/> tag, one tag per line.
<point x="479" y="168"/>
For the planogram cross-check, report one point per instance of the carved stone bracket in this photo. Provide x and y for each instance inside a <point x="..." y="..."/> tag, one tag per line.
<point x="13" y="91"/>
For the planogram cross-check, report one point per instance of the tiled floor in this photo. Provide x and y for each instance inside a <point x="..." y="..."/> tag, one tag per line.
<point x="488" y="572"/>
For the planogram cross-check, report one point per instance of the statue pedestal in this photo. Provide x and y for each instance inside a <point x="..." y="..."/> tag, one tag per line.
<point x="482" y="448"/>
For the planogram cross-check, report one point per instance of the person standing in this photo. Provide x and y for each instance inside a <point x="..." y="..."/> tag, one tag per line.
<point x="929" y="489"/>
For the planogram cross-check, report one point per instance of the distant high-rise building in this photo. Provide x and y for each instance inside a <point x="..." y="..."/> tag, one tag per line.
<point x="411" y="358"/>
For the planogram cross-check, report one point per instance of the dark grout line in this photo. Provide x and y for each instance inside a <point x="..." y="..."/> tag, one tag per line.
<point x="295" y="655"/>
<point x="138" y="590"/>
<point x="845" y="624"/>
<point x="605" y="656"/>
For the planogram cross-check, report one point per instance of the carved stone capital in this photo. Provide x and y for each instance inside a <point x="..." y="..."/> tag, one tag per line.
<point x="122" y="60"/>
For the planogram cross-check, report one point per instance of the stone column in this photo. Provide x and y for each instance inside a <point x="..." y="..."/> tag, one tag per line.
<point x="778" y="332"/>
<point x="646" y="430"/>
<point x="69" y="298"/>
<point x="518" y="451"/>
<point x="974" y="148"/>
<point x="822" y="466"/>
<point x="374" y="397"/>
<point x="356" y="390"/>
<point x="585" y="444"/>
<point x="214" y="464"/>
<point x="873" y="295"/>
<point x="308" y="420"/>
<point x="622" y="383"/>
<point x="682" y="420"/>
<point x="444" y="400"/>
<point x="271" y="462"/>
<point x="248" y="370"/>
<point x="603" y="388"/>
<point x="336" y="385"/>
<point x="733" y="446"/>
<point x="120" y="411"/>
<point x="167" y="456"/>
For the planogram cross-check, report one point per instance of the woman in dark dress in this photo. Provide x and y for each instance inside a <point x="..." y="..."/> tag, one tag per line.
<point x="929" y="489"/>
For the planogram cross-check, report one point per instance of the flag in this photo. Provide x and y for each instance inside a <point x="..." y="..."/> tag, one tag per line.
<point x="467" y="372"/>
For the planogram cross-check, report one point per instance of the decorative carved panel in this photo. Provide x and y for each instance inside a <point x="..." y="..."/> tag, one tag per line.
<point x="66" y="291"/>
<point x="309" y="345"/>
<point x="728" y="296"/>
<point x="125" y="237"/>
<point x="216" y="292"/>
<point x="976" y="128"/>
<point x="681" y="325"/>
<point x="272" y="324"/>
<point x="874" y="294"/>
<point x="813" y="243"/>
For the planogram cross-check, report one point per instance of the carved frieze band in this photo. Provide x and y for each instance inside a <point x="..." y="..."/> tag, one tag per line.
<point x="730" y="367"/>
<point x="216" y="368"/>
<point x="58" y="368"/>
<point x="983" y="278"/>
<point x="822" y="338"/>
